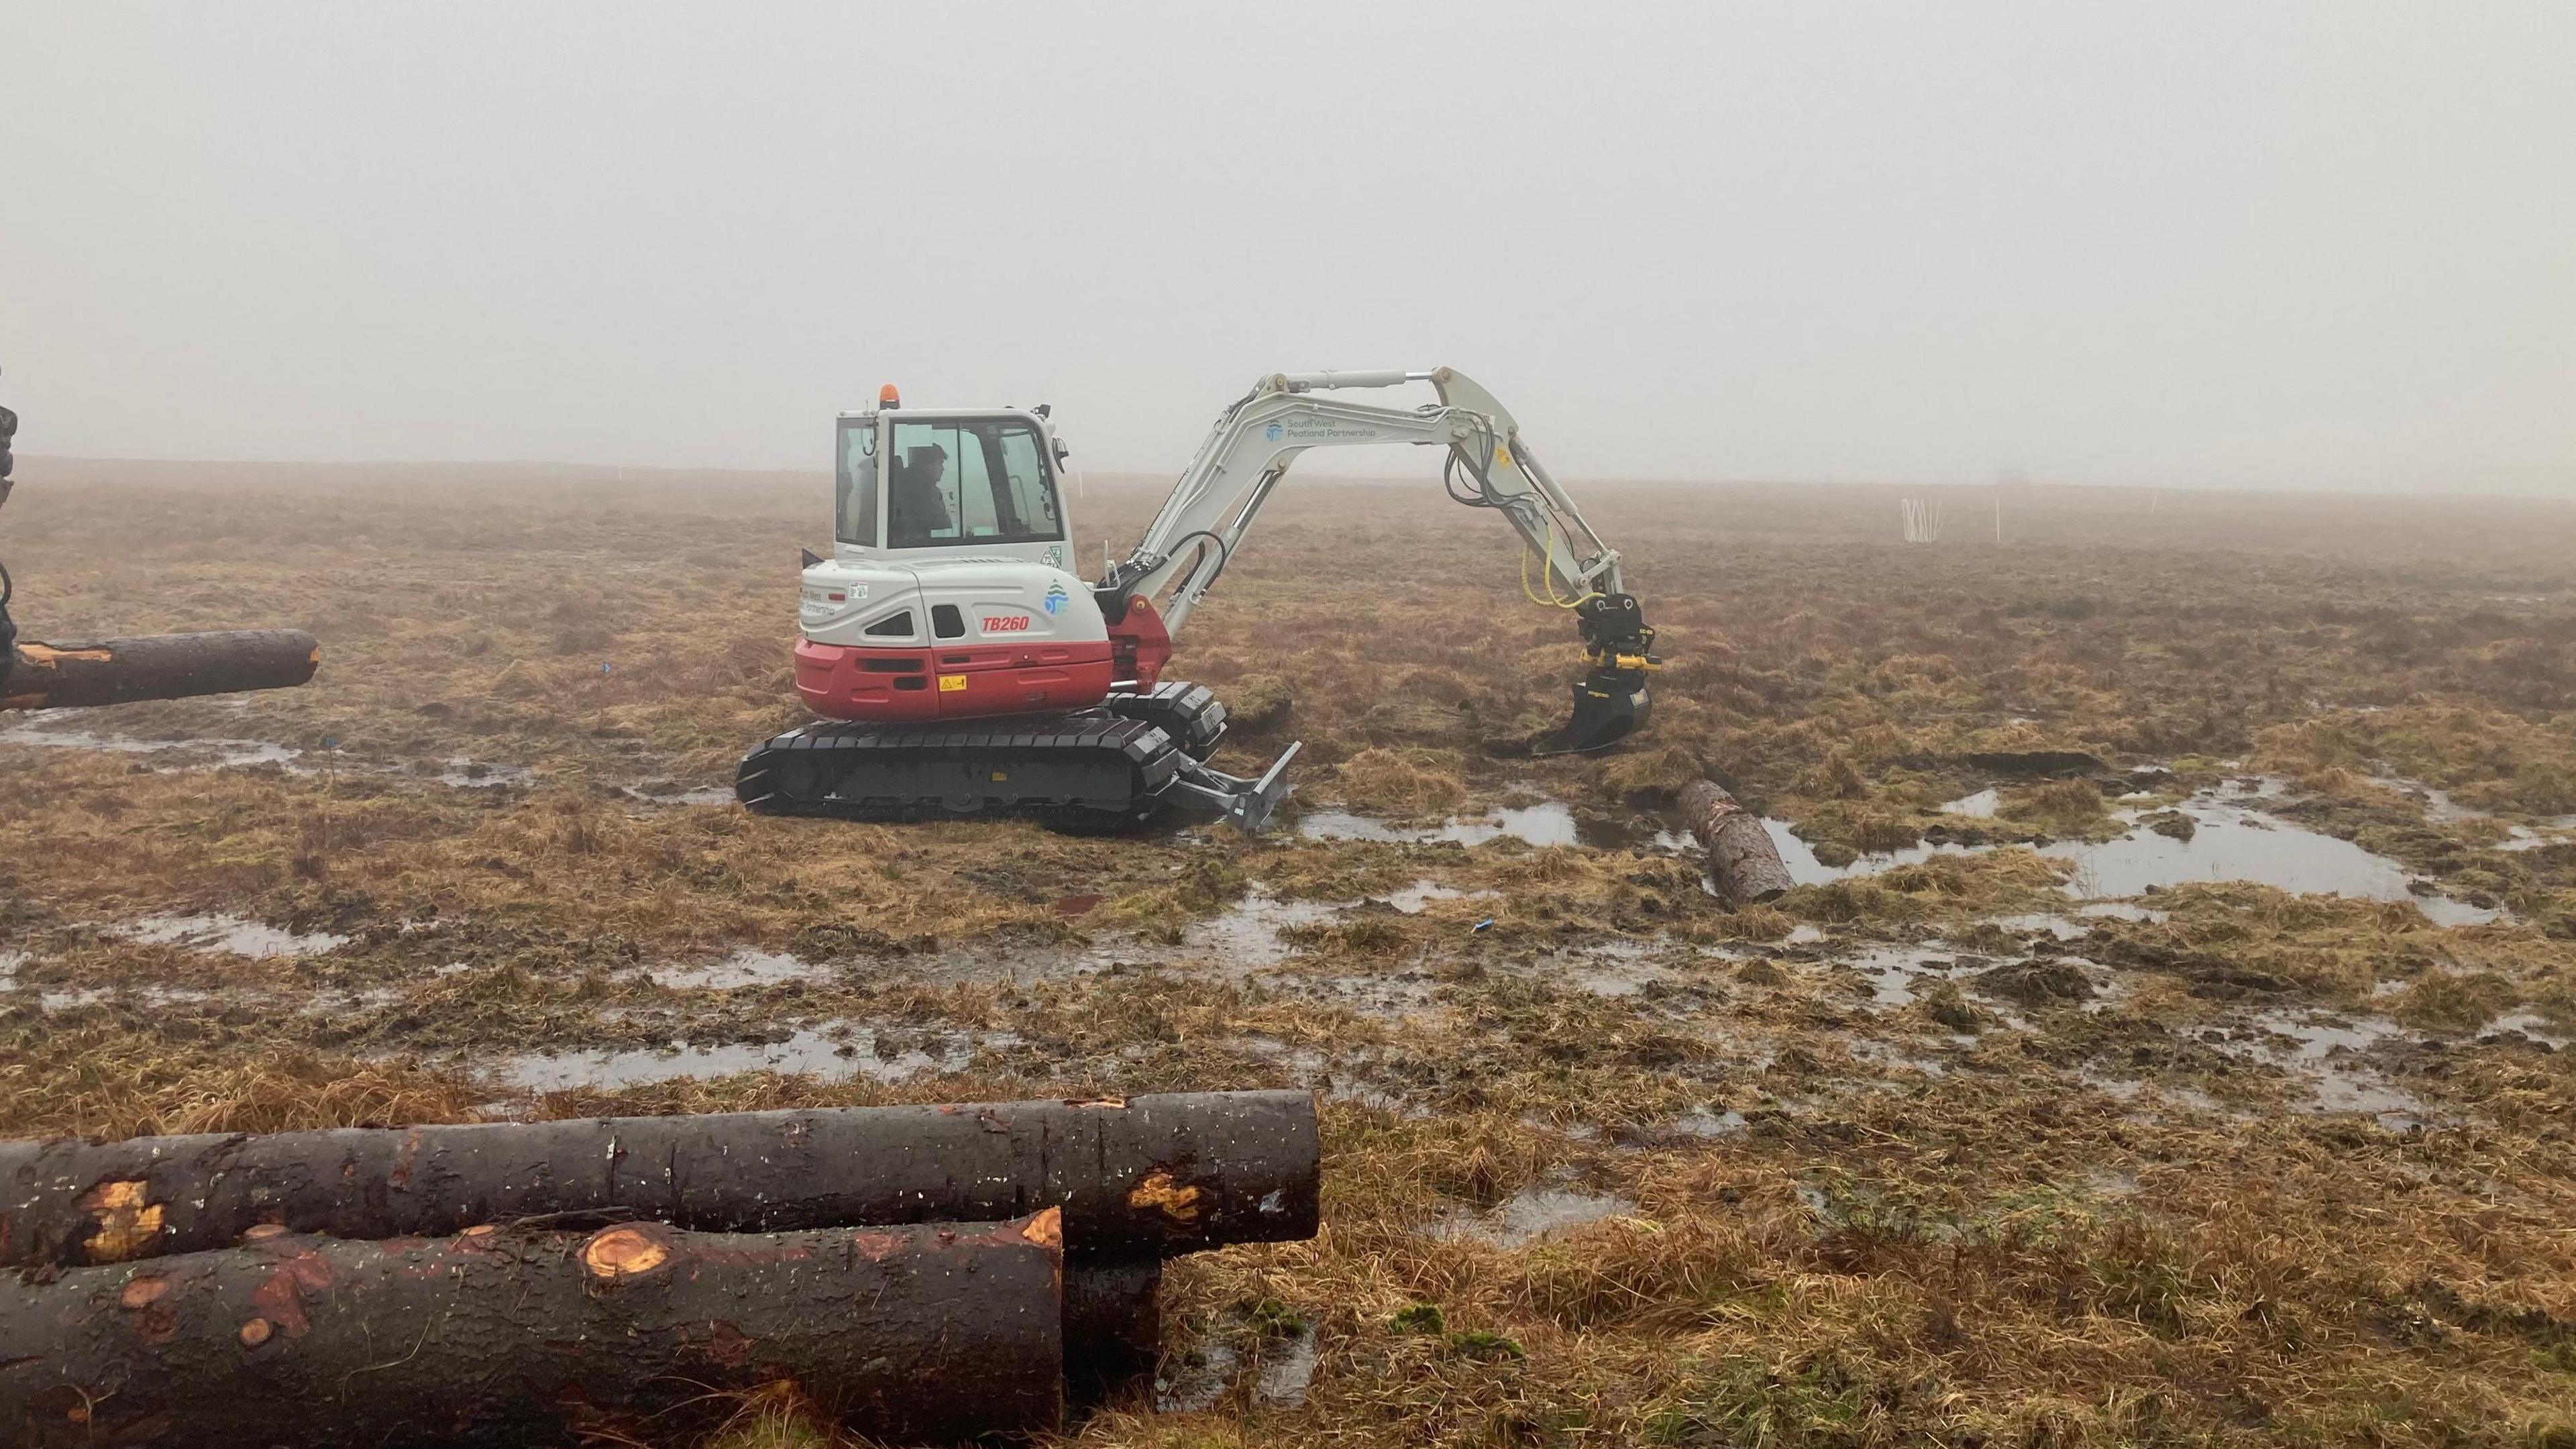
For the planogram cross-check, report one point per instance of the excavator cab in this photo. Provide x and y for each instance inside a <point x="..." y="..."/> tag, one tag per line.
<point x="919" y="486"/>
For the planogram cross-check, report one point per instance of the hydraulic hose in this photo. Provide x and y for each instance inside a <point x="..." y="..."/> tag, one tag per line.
<point x="1224" y="556"/>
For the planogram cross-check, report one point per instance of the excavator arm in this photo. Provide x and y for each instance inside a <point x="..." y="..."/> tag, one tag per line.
<point x="1564" y="563"/>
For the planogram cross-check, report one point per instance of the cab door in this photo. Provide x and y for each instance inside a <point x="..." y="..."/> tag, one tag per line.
<point x="974" y="485"/>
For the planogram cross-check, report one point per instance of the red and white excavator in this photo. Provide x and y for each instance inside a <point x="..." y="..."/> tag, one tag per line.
<point x="962" y="669"/>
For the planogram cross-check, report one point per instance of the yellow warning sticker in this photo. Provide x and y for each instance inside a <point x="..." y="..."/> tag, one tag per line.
<point x="951" y="683"/>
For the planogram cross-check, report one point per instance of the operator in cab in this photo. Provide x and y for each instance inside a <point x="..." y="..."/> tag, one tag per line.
<point x="915" y="511"/>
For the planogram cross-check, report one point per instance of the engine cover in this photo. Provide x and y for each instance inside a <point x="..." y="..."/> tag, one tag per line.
<point x="960" y="638"/>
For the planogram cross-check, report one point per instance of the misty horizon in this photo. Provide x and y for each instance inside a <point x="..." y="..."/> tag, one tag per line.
<point x="2289" y="246"/>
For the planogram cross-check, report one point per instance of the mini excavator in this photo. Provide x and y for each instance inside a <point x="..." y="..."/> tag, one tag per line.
<point x="963" y="670"/>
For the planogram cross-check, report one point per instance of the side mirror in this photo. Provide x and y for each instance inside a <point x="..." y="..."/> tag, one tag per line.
<point x="806" y="558"/>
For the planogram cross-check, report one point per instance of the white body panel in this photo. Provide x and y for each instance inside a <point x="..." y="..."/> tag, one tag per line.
<point x="999" y="599"/>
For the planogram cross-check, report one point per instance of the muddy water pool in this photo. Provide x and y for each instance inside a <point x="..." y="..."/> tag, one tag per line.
<point x="216" y="931"/>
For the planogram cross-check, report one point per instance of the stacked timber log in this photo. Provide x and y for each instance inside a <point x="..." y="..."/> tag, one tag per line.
<point x="921" y="1273"/>
<point x="1742" y="862"/>
<point x="489" y="1336"/>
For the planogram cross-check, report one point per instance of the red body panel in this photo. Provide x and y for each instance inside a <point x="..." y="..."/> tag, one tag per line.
<point x="962" y="680"/>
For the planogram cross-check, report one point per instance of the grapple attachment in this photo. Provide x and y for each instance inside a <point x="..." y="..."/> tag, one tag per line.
<point x="1608" y="708"/>
<point x="1610" y="701"/>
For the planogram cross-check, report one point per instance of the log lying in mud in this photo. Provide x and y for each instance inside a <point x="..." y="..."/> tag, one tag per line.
<point x="925" y="1332"/>
<point x="1743" y="863"/>
<point x="158" y="666"/>
<point x="1113" y="1320"/>
<point x="1140" y="1177"/>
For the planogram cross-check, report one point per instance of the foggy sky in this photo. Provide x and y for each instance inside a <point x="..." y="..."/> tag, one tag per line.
<point x="2327" y="244"/>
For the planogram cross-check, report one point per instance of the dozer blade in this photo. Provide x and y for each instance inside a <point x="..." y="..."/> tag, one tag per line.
<point x="1245" y="804"/>
<point x="1609" y="706"/>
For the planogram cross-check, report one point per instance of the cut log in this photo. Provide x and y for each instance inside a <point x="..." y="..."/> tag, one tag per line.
<point x="1113" y="1320"/>
<point x="1139" y="1177"/>
<point x="158" y="666"/>
<point x="926" y="1332"/>
<point x="1742" y="862"/>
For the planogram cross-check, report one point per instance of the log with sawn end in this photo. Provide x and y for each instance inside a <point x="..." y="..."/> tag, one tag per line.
<point x="155" y="666"/>
<point x="1743" y="863"/>
<point x="927" y="1332"/>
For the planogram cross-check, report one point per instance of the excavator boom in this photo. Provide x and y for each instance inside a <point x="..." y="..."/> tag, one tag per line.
<point x="1252" y="445"/>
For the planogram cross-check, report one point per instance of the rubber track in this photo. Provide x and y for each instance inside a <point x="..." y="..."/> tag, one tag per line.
<point x="1121" y="767"/>
<point x="1189" y="713"/>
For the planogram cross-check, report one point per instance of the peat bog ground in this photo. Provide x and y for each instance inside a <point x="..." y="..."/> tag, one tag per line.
<point x="2217" y="1092"/>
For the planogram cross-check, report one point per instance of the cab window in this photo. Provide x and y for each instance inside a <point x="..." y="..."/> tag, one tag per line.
<point x="854" y="511"/>
<point x="957" y="481"/>
<point x="974" y="493"/>
<point x="1027" y="490"/>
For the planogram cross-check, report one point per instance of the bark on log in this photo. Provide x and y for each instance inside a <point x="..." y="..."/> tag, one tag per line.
<point x="1113" y="1321"/>
<point x="926" y="1332"/>
<point x="1143" y="1177"/>
<point x="158" y="666"/>
<point x="1743" y="863"/>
